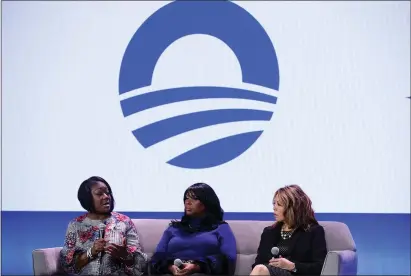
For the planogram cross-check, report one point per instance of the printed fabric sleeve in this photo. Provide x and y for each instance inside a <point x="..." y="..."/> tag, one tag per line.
<point x="161" y="259"/>
<point x="134" y="248"/>
<point x="70" y="250"/>
<point x="224" y="262"/>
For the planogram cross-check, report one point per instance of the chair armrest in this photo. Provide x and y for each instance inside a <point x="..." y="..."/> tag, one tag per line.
<point x="46" y="261"/>
<point x="341" y="262"/>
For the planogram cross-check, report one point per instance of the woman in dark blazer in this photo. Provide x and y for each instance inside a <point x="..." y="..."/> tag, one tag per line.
<point x="296" y="235"/>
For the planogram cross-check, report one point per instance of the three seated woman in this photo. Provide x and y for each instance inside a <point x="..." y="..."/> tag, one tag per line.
<point x="103" y="242"/>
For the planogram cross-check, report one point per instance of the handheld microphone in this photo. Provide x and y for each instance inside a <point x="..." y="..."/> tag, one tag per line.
<point x="178" y="263"/>
<point x="101" y="229"/>
<point x="275" y="251"/>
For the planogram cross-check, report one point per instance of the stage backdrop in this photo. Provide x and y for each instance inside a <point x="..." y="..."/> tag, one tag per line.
<point x="246" y="96"/>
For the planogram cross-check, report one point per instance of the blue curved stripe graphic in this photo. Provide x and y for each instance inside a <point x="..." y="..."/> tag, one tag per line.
<point x="161" y="97"/>
<point x="159" y="131"/>
<point x="205" y="155"/>
<point x="224" y="20"/>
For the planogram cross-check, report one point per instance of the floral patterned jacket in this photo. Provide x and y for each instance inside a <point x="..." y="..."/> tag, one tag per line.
<point x="80" y="236"/>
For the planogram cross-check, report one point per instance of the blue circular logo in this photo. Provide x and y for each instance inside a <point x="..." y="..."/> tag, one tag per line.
<point x="254" y="50"/>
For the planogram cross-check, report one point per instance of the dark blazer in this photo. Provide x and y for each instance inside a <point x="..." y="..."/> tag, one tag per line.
<point x="308" y="248"/>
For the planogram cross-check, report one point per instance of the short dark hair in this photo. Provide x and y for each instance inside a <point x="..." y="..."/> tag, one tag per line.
<point x="86" y="198"/>
<point x="213" y="212"/>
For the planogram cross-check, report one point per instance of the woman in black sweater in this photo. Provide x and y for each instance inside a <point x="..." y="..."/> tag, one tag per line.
<point x="296" y="235"/>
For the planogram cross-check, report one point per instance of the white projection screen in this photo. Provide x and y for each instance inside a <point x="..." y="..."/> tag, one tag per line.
<point x="340" y="126"/>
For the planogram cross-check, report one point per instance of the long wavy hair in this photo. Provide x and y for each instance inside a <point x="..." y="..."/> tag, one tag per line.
<point x="298" y="211"/>
<point x="213" y="212"/>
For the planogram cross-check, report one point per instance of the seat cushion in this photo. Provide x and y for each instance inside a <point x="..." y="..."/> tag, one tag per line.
<point x="244" y="263"/>
<point x="248" y="234"/>
<point x="150" y="232"/>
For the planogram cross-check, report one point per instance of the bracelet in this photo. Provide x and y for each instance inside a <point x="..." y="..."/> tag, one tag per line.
<point x="89" y="255"/>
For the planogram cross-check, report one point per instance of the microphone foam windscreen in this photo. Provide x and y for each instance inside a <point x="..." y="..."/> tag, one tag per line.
<point x="275" y="251"/>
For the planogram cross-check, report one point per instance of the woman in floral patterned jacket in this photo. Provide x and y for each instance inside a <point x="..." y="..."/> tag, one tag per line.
<point x="85" y="252"/>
